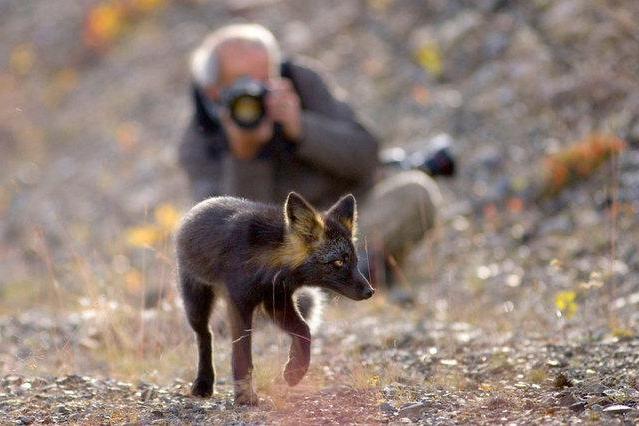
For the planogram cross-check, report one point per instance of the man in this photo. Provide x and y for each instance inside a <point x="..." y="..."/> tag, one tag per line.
<point x="309" y="141"/>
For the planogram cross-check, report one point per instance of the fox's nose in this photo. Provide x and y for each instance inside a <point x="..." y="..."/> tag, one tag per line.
<point x="368" y="293"/>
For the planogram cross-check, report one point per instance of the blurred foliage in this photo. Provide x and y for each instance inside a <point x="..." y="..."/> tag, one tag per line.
<point x="167" y="217"/>
<point x="133" y="280"/>
<point x="566" y="303"/>
<point x="143" y="235"/>
<point x="579" y="161"/>
<point x="374" y="381"/>
<point x="623" y="333"/>
<point x="148" y="235"/>
<point x="109" y="20"/>
<point x="429" y="57"/>
<point x="22" y="59"/>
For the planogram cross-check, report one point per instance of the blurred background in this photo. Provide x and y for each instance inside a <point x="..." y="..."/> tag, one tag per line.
<point x="94" y="95"/>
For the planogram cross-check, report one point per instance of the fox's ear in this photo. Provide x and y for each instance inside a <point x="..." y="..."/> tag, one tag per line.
<point x="302" y="219"/>
<point x="345" y="212"/>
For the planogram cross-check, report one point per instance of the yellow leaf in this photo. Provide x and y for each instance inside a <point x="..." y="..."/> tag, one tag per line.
<point x="566" y="303"/>
<point x="623" y="333"/>
<point x="22" y="59"/>
<point x="430" y="58"/>
<point x="148" y="5"/>
<point x="143" y="236"/>
<point x="167" y="217"/>
<point x="104" y="24"/>
<point x="374" y="381"/>
<point x="133" y="280"/>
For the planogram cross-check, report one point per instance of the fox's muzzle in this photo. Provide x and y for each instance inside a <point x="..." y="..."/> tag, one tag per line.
<point x="361" y="287"/>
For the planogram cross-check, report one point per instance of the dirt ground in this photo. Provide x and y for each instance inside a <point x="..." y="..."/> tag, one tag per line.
<point x="517" y="309"/>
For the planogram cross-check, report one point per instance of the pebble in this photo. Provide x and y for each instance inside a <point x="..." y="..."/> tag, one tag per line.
<point x="412" y="411"/>
<point x="617" y="409"/>
<point x="387" y="408"/>
<point x="578" y="406"/>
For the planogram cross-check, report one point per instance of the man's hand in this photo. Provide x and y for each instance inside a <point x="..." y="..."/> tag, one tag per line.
<point x="283" y="106"/>
<point x="246" y="143"/>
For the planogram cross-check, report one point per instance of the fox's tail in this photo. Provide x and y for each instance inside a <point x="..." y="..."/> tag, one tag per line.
<point x="310" y="302"/>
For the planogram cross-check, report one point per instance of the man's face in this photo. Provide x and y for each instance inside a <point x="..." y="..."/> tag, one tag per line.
<point x="238" y="60"/>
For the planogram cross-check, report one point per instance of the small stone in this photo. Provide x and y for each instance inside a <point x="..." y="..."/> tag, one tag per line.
<point x="412" y="411"/>
<point x="13" y="380"/>
<point x="555" y="363"/>
<point x="578" y="407"/>
<point x="385" y="407"/>
<point x="567" y="399"/>
<point x="559" y="225"/>
<point x="26" y="420"/>
<point x="617" y="409"/>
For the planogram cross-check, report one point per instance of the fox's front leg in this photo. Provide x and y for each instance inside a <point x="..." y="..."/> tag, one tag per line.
<point x="281" y="309"/>
<point x="241" y="319"/>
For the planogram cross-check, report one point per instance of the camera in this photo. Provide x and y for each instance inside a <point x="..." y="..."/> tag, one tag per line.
<point x="245" y="101"/>
<point x="434" y="157"/>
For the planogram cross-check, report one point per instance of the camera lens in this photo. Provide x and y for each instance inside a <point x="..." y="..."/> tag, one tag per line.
<point x="245" y="102"/>
<point x="247" y="111"/>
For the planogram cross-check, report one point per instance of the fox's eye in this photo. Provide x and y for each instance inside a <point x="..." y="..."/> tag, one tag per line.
<point x="339" y="263"/>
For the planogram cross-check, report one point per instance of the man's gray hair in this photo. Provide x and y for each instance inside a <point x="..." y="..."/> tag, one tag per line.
<point x="205" y="66"/>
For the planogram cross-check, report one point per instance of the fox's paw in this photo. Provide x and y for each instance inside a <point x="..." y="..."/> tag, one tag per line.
<point x="294" y="373"/>
<point x="246" y="398"/>
<point x="202" y="386"/>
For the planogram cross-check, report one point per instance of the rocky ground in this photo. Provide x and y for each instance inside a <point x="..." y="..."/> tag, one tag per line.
<point x="411" y="370"/>
<point x="513" y="311"/>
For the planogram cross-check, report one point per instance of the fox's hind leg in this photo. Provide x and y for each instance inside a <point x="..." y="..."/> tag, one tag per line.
<point x="281" y="308"/>
<point x="198" y="302"/>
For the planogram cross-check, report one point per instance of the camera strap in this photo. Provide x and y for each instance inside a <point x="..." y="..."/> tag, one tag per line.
<point x="206" y="115"/>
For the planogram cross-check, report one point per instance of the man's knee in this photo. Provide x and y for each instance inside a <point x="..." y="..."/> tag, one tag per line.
<point x="400" y="210"/>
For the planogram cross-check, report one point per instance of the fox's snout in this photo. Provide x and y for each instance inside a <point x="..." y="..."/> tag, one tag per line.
<point x="368" y="293"/>
<point x="363" y="288"/>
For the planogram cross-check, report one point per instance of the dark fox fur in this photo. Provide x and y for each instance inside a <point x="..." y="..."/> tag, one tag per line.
<point x="254" y="254"/>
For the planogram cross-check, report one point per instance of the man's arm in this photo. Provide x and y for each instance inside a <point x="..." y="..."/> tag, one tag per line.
<point x="212" y="170"/>
<point x="332" y="137"/>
